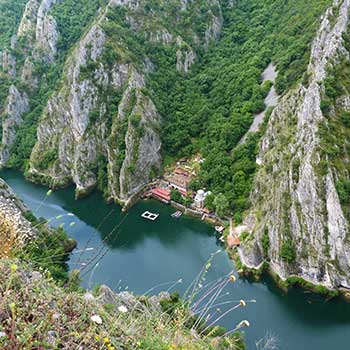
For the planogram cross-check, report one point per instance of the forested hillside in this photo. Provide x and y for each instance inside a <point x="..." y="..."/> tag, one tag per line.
<point x="212" y="108"/>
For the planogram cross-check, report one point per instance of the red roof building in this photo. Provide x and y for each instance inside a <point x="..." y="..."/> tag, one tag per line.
<point x="161" y="193"/>
<point x="233" y="241"/>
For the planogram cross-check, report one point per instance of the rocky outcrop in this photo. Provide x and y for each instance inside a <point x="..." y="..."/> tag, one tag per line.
<point x="17" y="105"/>
<point x="38" y="31"/>
<point x="68" y="131"/>
<point x="213" y="31"/>
<point x="16" y="230"/>
<point x="84" y="122"/>
<point x="294" y="204"/>
<point x="46" y="33"/>
<point x="8" y="63"/>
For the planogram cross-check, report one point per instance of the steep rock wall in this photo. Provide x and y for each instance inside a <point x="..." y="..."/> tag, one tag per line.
<point x="37" y="34"/>
<point x="295" y="207"/>
<point x="102" y="117"/>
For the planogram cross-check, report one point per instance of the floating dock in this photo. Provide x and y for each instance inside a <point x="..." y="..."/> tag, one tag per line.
<point x="150" y="216"/>
<point x="176" y="215"/>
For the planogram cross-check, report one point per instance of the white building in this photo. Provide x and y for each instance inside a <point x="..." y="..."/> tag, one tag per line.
<point x="200" y="198"/>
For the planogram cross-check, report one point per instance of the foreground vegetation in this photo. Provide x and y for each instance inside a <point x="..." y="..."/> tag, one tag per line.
<point x="37" y="313"/>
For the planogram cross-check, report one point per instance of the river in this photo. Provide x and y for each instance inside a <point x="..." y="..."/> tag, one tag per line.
<point x="144" y="256"/>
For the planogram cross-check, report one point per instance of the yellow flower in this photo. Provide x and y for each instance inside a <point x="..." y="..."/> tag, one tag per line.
<point x="13" y="267"/>
<point x="106" y="340"/>
<point x="232" y="278"/>
<point x="97" y="337"/>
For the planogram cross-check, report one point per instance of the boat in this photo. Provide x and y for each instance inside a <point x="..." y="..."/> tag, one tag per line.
<point x="176" y="215"/>
<point x="150" y="216"/>
<point x="219" y="229"/>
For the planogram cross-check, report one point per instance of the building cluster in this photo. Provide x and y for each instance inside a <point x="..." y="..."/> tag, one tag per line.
<point x="179" y="179"/>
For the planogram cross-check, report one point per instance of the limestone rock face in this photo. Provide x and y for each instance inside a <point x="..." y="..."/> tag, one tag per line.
<point x="17" y="104"/>
<point x="8" y="63"/>
<point x="11" y="216"/>
<point x="66" y="127"/>
<point x="77" y="128"/>
<point x="292" y="202"/>
<point x="38" y="31"/>
<point x="46" y="33"/>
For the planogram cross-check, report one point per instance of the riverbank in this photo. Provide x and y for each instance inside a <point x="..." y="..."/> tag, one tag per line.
<point x="285" y="285"/>
<point x="254" y="274"/>
<point x="137" y="255"/>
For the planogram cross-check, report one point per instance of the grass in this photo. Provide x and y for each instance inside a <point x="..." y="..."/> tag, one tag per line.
<point x="35" y="313"/>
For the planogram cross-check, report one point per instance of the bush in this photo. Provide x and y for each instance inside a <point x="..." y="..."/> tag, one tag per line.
<point x="265" y="242"/>
<point x="288" y="252"/>
<point x="175" y="196"/>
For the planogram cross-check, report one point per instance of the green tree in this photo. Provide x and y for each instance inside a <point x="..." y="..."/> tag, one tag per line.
<point x="287" y="252"/>
<point x="209" y="201"/>
<point x="175" y="196"/>
<point x="221" y="205"/>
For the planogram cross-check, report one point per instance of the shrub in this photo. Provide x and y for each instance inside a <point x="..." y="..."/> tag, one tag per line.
<point x="265" y="241"/>
<point x="175" y="196"/>
<point x="288" y="252"/>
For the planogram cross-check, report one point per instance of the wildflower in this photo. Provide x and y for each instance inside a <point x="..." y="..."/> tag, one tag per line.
<point x="110" y="346"/>
<point x="106" y="340"/>
<point x="232" y="278"/>
<point x="122" y="309"/>
<point x="13" y="267"/>
<point x="88" y="297"/>
<point x="242" y="324"/>
<point x="242" y="303"/>
<point x="97" y="337"/>
<point x="97" y="319"/>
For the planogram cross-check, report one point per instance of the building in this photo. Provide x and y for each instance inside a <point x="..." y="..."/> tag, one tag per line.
<point x="233" y="241"/>
<point x="200" y="198"/>
<point x="179" y="182"/>
<point x="161" y="194"/>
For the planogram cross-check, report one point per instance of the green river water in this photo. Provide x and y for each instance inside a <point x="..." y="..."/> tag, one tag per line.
<point x="140" y="255"/>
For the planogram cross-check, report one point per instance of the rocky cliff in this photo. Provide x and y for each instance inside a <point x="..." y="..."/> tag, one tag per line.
<point x="34" y="44"/>
<point x="297" y="222"/>
<point x="100" y="123"/>
<point x="15" y="229"/>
